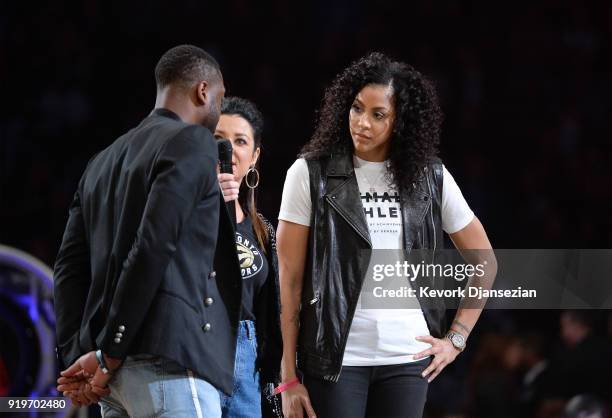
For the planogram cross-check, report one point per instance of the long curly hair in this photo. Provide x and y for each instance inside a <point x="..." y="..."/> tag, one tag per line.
<point x="416" y="131"/>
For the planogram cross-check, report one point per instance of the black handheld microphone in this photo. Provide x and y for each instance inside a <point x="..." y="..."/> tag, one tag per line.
<point x="225" y="166"/>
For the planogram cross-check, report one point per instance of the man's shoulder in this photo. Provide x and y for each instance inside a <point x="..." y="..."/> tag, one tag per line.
<point x="193" y="138"/>
<point x="149" y="141"/>
<point x="167" y="134"/>
<point x="174" y="128"/>
<point x="194" y="132"/>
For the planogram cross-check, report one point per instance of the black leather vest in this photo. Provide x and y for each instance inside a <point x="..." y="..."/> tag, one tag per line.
<point x="338" y="257"/>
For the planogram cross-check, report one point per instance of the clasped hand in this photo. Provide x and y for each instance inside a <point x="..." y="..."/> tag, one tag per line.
<point x="84" y="382"/>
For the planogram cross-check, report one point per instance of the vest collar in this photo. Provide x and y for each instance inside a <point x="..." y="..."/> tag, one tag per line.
<point x="340" y="165"/>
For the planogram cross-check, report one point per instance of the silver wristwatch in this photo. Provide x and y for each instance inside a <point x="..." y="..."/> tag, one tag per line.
<point x="456" y="339"/>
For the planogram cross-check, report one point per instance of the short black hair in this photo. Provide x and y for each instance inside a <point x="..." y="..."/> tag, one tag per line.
<point x="185" y="65"/>
<point x="247" y="110"/>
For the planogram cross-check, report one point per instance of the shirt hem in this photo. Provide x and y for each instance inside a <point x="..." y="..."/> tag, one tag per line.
<point x="384" y="362"/>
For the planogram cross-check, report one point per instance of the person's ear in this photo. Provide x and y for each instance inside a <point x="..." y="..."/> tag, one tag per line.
<point x="202" y="92"/>
<point x="255" y="156"/>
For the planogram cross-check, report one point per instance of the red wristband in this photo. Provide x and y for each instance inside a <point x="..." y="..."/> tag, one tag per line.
<point x="284" y="386"/>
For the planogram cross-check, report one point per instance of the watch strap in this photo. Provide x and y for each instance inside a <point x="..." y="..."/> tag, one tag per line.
<point x="102" y="362"/>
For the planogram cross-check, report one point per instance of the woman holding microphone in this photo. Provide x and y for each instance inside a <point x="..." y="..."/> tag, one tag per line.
<point x="259" y="347"/>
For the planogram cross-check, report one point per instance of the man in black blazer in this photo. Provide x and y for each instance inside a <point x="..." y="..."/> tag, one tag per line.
<point x="147" y="282"/>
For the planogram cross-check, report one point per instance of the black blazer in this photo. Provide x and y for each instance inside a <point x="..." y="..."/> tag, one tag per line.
<point x="135" y="270"/>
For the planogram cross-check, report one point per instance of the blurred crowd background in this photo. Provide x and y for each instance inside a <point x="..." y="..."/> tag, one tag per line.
<point x="527" y="94"/>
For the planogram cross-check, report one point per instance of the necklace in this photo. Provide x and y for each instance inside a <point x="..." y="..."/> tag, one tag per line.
<point x="372" y="189"/>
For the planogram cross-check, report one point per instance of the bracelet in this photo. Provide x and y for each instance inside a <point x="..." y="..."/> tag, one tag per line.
<point x="284" y="386"/>
<point x="102" y="363"/>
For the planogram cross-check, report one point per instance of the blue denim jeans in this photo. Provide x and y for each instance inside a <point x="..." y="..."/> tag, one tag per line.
<point x="149" y="386"/>
<point x="245" y="401"/>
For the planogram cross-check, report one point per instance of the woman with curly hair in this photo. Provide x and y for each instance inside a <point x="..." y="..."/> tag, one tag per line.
<point x="368" y="179"/>
<point x="259" y="344"/>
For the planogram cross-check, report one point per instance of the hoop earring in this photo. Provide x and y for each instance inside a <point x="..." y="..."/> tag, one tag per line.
<point x="246" y="179"/>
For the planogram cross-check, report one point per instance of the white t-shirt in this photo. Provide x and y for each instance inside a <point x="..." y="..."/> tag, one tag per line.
<point x="378" y="336"/>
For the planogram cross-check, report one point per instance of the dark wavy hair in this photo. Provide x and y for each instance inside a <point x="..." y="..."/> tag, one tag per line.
<point x="246" y="196"/>
<point x="416" y="130"/>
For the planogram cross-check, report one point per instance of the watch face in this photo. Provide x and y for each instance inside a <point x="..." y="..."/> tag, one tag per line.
<point x="458" y="340"/>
